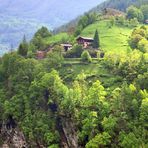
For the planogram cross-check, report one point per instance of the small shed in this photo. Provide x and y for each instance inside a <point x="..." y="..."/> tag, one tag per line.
<point x="66" y="47"/>
<point x="85" y="41"/>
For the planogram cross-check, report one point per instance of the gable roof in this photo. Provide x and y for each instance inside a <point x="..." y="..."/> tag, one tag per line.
<point x="66" y="45"/>
<point x="85" y="38"/>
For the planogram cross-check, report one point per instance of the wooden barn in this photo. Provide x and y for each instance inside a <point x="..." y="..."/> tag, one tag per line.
<point x="85" y="41"/>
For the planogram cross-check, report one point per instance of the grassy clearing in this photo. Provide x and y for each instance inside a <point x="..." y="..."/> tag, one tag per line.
<point x="93" y="71"/>
<point x="56" y="38"/>
<point x="114" y="38"/>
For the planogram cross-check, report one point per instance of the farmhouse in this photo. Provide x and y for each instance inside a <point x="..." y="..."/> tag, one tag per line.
<point x="85" y="41"/>
<point x="66" y="47"/>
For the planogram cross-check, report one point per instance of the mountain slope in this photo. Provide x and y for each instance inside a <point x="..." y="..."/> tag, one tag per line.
<point x="121" y="5"/>
<point x="115" y="38"/>
<point x="118" y="4"/>
<point x="19" y="17"/>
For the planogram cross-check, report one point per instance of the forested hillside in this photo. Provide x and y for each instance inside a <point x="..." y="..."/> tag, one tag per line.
<point x="84" y="88"/>
<point x="121" y="5"/>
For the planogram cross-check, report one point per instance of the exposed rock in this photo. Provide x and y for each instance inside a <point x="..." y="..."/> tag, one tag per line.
<point x="69" y="133"/>
<point x="12" y="137"/>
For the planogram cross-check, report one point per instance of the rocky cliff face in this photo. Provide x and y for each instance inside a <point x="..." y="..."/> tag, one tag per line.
<point x="12" y="137"/>
<point x="67" y="133"/>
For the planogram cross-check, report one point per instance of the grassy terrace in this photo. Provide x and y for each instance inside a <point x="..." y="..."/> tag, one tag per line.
<point x="93" y="71"/>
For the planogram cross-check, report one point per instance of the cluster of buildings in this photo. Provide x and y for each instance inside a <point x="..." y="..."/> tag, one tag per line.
<point x="84" y="41"/>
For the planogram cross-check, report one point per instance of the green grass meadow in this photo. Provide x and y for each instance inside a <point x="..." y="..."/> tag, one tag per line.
<point x="114" y="38"/>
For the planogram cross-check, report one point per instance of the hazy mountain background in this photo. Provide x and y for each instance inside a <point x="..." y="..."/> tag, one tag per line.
<point x="19" y="17"/>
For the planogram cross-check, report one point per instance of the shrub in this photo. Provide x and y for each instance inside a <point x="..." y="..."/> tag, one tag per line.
<point x="75" y="52"/>
<point x="134" y="40"/>
<point x="143" y="45"/>
<point x="93" y="53"/>
<point x="86" y="57"/>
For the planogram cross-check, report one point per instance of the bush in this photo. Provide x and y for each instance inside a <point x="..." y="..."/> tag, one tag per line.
<point x="86" y="57"/>
<point x="134" y="40"/>
<point x="75" y="52"/>
<point x="134" y="22"/>
<point x="100" y="54"/>
<point x="93" y="53"/>
<point x="143" y="45"/>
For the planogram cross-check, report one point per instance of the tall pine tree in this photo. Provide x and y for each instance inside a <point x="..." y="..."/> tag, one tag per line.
<point x="23" y="47"/>
<point x="96" y="42"/>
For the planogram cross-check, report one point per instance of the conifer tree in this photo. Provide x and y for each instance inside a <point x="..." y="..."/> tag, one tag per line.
<point x="96" y="42"/>
<point x="23" y="47"/>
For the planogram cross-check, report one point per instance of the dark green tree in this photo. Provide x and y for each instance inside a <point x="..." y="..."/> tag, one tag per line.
<point x="133" y="12"/>
<point x="96" y="42"/>
<point x="144" y="9"/>
<point x="38" y="43"/>
<point x="23" y="47"/>
<point x="43" y="32"/>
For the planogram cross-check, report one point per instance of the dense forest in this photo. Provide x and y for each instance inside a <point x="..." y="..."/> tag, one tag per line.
<point x="92" y="95"/>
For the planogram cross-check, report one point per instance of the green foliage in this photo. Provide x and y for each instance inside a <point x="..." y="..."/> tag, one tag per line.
<point x="133" y="12"/>
<point x="134" y="40"/>
<point x="86" y="57"/>
<point x="109" y="124"/>
<point x="102" y="103"/>
<point x="112" y="21"/>
<point x="99" y="141"/>
<point x="43" y="32"/>
<point x="126" y="64"/>
<point x="87" y="19"/>
<point x="144" y="112"/>
<point x="36" y="97"/>
<point x="75" y="52"/>
<point x="23" y="48"/>
<point x="143" y="45"/>
<point x="120" y="20"/>
<point x="138" y="39"/>
<point x="144" y="9"/>
<point x="54" y="58"/>
<point x="133" y="22"/>
<point x="130" y="140"/>
<point x="96" y="42"/>
<point x="37" y="43"/>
